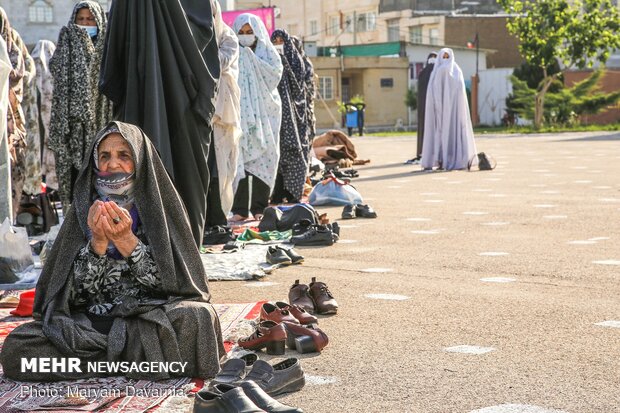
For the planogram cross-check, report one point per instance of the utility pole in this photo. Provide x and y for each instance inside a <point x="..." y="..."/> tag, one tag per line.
<point x="354" y="23"/>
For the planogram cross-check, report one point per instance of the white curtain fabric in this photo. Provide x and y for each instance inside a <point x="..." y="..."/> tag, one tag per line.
<point x="5" y="163"/>
<point x="227" y="117"/>
<point x="261" y="108"/>
<point x="448" y="132"/>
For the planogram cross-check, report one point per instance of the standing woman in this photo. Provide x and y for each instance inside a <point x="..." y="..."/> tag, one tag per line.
<point x="448" y="133"/>
<point x="78" y="109"/>
<point x="294" y="145"/>
<point x="260" y="70"/>
<point x="42" y="53"/>
<point x="423" y="79"/>
<point x="16" y="129"/>
<point x="224" y="151"/>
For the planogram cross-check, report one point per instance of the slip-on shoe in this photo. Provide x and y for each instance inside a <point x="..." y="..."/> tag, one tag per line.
<point x="268" y="334"/>
<point x="284" y="377"/>
<point x="292" y="254"/>
<point x="234" y="370"/>
<point x="314" y="236"/>
<point x="365" y="211"/>
<point x="305" y="339"/>
<point x="348" y="212"/>
<point x="270" y="312"/>
<point x="277" y="255"/>
<point x="233" y="400"/>
<point x="298" y="312"/>
<point x="258" y="396"/>
<point x="299" y="295"/>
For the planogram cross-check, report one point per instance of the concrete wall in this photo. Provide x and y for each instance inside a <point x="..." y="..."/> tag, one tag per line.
<point x="610" y="82"/>
<point x="17" y="10"/>
<point x="495" y="86"/>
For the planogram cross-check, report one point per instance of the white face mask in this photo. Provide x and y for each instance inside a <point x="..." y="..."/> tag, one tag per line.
<point x="279" y="48"/>
<point x="91" y="30"/>
<point x="246" y="40"/>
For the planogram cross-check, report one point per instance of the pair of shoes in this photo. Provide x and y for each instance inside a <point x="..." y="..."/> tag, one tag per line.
<point x="414" y="161"/>
<point x="217" y="235"/>
<point x="283" y="256"/>
<point x="247" y="397"/>
<point x="359" y="210"/>
<point x="234" y="370"/>
<point x="286" y="312"/>
<point x="314" y="298"/>
<point x="308" y="234"/>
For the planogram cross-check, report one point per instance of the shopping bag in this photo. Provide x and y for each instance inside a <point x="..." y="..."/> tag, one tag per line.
<point x="15" y="253"/>
<point x="333" y="191"/>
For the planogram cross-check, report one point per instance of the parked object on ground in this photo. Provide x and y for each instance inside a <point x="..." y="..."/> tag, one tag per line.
<point x="231" y="400"/>
<point x="299" y="295"/>
<point x="284" y="377"/>
<point x="365" y="211"/>
<point x="277" y="314"/>
<point x="268" y="334"/>
<point x="485" y="162"/>
<point x="333" y="191"/>
<point x="284" y="218"/>
<point x="298" y="312"/>
<point x="15" y="248"/>
<point x="234" y="370"/>
<point x="305" y="339"/>
<point x="324" y="301"/>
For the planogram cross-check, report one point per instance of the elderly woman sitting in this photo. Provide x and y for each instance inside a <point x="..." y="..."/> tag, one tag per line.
<point x="124" y="280"/>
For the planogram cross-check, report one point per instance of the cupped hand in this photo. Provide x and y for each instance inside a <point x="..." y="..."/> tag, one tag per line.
<point x="116" y="222"/>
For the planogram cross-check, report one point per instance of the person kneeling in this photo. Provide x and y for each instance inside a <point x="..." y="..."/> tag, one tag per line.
<point x="124" y="280"/>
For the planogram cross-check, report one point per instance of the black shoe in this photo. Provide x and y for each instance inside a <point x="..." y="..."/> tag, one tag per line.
<point x="315" y="235"/>
<point x="271" y="217"/>
<point x="234" y="370"/>
<point x="348" y="212"/>
<point x="302" y="226"/>
<point x="365" y="211"/>
<point x="217" y="235"/>
<point x="264" y="401"/>
<point x="284" y="377"/>
<point x="295" y="258"/>
<point x="277" y="255"/>
<point x="233" y="399"/>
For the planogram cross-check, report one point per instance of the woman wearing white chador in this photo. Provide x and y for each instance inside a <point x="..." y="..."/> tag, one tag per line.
<point x="448" y="133"/>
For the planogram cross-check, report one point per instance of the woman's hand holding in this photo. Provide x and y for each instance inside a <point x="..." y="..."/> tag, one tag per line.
<point x="117" y="228"/>
<point x="99" y="241"/>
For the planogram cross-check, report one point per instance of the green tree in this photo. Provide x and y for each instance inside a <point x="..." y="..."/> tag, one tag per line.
<point x="411" y="98"/>
<point x="575" y="34"/>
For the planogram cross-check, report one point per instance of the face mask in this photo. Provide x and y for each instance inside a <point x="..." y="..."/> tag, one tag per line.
<point x="91" y="30"/>
<point x="246" y="40"/>
<point x="432" y="60"/>
<point x="279" y="48"/>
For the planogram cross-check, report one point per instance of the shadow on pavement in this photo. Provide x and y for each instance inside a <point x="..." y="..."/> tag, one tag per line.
<point x="597" y="138"/>
<point x="409" y="174"/>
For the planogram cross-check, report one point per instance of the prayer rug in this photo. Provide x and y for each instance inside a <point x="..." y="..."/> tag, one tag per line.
<point x="245" y="264"/>
<point x="116" y="394"/>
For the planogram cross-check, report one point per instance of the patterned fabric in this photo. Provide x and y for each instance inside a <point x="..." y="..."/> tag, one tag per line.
<point x="100" y="282"/>
<point x="294" y="143"/>
<point x="310" y="88"/>
<point x="32" y="159"/>
<point x="260" y="71"/>
<point x="78" y="109"/>
<point x="42" y="53"/>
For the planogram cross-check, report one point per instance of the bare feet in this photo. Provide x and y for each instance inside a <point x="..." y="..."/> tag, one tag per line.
<point x="237" y="218"/>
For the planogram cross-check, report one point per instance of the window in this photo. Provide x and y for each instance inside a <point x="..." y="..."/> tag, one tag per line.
<point x="40" y="12"/>
<point x="293" y="29"/>
<point x="393" y="27"/>
<point x="333" y="26"/>
<point x="326" y="87"/>
<point x="433" y="35"/>
<point x="366" y="22"/>
<point x="314" y="27"/>
<point x="349" y="23"/>
<point x="415" y="34"/>
<point x="105" y="4"/>
<point x="387" y="82"/>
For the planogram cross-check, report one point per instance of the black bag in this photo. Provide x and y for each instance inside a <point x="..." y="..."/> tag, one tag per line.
<point x="485" y="162"/>
<point x="275" y="219"/>
<point x="37" y="213"/>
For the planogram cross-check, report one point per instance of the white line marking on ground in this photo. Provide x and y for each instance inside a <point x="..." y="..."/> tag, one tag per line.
<point x="550" y="175"/>
<point x="494" y="179"/>
<point x="579" y="167"/>
<point x="319" y="380"/>
<point x="394" y="297"/>
<point x="602" y="187"/>
<point x="440" y="178"/>
<point x="394" y="186"/>
<point x="599" y="239"/>
<point x="497" y="195"/>
<point x="260" y="284"/>
<point x="607" y="262"/>
<point x="541" y="170"/>
<point x="609" y="323"/>
<point x="544" y="206"/>
<point x="516" y="408"/>
<point x="475" y="213"/>
<point x="537" y="185"/>
<point x="429" y="193"/>
<point x="555" y="216"/>
<point x="377" y="270"/>
<point x="550" y="192"/>
<point x="498" y="280"/>
<point x="454" y="182"/>
<point x="595" y="171"/>
<point x="427" y="232"/>
<point x="495" y="223"/>
<point x="582" y="242"/>
<point x="417" y="219"/>
<point x="347" y="225"/>
<point x="483" y="190"/>
<point x="583" y="181"/>
<point x="434" y="201"/>
<point x="493" y="254"/>
<point x="465" y="349"/>
<point x="347" y="241"/>
<point x="609" y="199"/>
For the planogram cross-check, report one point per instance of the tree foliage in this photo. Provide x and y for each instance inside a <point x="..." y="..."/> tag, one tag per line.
<point x="552" y="31"/>
<point x="411" y="98"/>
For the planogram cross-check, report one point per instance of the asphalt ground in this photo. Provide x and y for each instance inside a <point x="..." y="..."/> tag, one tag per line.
<point x="551" y="208"/>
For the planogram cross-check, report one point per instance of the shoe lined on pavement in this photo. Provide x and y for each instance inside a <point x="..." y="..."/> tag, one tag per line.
<point x="299" y="295"/>
<point x="270" y="312"/>
<point x="305" y="339"/>
<point x="284" y="377"/>
<point x="292" y="254"/>
<point x="233" y="399"/>
<point x="348" y="212"/>
<point x="268" y="334"/>
<point x="264" y="401"/>
<point x="277" y="255"/>
<point x="234" y="370"/>
<point x="315" y="235"/>
<point x="298" y="312"/>
<point x="217" y="235"/>
<point x="324" y="301"/>
<point x="365" y="211"/>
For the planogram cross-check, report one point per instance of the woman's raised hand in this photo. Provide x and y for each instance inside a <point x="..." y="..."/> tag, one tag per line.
<point x="117" y="228"/>
<point x="99" y="241"/>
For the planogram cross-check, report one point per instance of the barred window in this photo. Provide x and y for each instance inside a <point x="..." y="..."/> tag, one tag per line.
<point x="40" y="11"/>
<point x="326" y="87"/>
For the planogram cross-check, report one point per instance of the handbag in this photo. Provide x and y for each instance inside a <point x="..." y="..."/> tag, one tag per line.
<point x="333" y="191"/>
<point x="37" y="213"/>
<point x="485" y="162"/>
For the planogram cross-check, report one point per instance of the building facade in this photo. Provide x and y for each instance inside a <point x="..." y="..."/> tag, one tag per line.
<point x="41" y="19"/>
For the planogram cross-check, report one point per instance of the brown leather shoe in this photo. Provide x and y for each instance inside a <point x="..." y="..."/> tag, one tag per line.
<point x="323" y="299"/>
<point x="305" y="339"/>
<point x="268" y="334"/>
<point x="270" y="312"/>
<point x="298" y="312"/>
<point x="299" y="295"/>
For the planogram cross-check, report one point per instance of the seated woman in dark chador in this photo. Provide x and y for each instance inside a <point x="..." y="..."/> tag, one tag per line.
<point x="124" y="280"/>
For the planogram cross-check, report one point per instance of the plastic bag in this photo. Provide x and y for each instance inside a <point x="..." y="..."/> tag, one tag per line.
<point x="333" y="191"/>
<point x="15" y="253"/>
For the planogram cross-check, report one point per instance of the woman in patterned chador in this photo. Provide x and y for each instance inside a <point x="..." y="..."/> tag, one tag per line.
<point x="124" y="280"/>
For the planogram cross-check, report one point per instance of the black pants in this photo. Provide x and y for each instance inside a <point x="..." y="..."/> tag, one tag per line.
<point x="215" y="214"/>
<point x="280" y="194"/>
<point x="260" y="197"/>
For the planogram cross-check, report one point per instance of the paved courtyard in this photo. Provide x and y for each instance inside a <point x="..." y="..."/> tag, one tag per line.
<point x="486" y="292"/>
